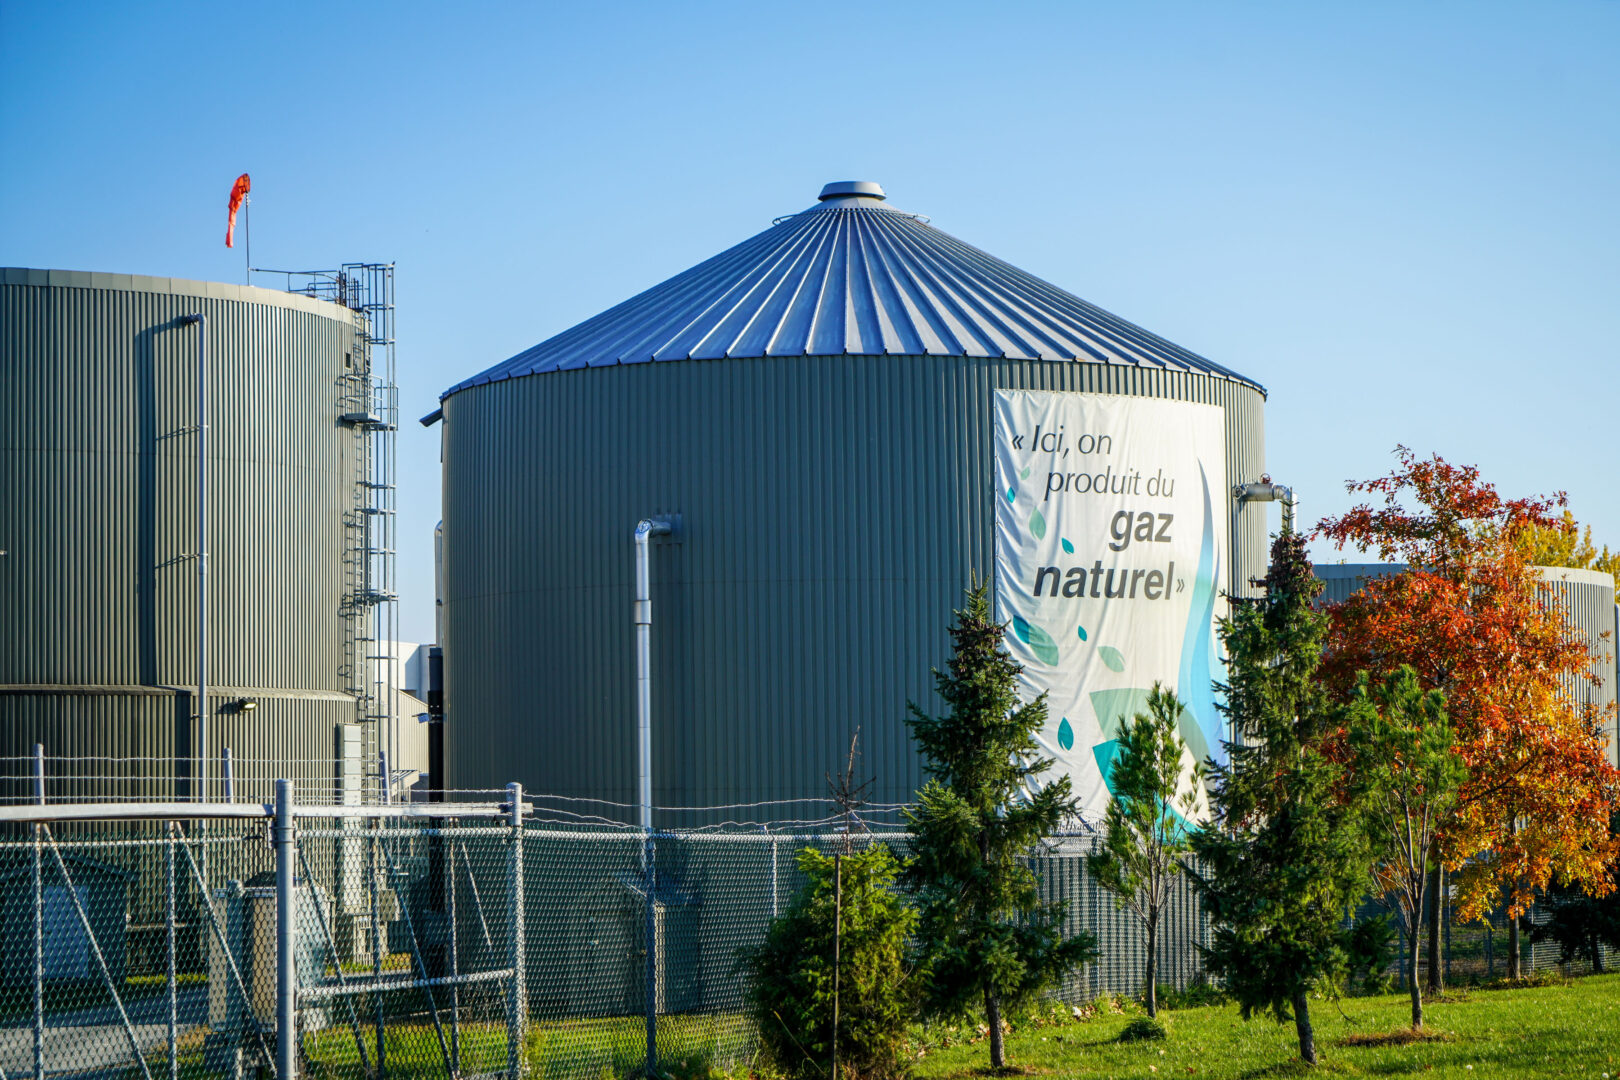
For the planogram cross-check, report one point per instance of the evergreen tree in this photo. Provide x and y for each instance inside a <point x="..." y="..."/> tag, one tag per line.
<point x="984" y="933"/>
<point x="794" y="993"/>
<point x="1145" y="836"/>
<point x="1284" y="855"/>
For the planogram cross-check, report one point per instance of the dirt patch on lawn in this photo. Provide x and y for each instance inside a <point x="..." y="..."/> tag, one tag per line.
<point x="1403" y="1037"/>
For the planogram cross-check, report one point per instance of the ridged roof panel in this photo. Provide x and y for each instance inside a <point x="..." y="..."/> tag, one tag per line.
<point x="851" y="276"/>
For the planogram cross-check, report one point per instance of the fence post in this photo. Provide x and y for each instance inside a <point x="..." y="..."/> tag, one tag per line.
<point x="516" y="1000"/>
<point x="174" y="1003"/>
<point x="649" y="884"/>
<point x="286" y="977"/>
<point x="376" y="947"/>
<point x="39" y="921"/>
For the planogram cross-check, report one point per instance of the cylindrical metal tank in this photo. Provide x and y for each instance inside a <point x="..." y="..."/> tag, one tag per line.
<point x="1587" y="598"/>
<point x="814" y="406"/>
<point x="98" y="583"/>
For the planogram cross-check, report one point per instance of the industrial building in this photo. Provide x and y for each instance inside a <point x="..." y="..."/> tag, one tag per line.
<point x="1587" y="599"/>
<point x="197" y="531"/>
<point x="809" y="413"/>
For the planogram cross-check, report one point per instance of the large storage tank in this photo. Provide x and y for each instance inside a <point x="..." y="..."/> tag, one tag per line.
<point x="815" y="405"/>
<point x="1587" y="598"/>
<point x="99" y="625"/>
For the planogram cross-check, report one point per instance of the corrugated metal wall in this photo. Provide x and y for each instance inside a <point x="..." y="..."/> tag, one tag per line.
<point x="1587" y="598"/>
<point x="832" y="509"/>
<point x="97" y="514"/>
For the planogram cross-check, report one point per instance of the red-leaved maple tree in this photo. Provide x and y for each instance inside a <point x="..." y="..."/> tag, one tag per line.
<point x="1468" y="614"/>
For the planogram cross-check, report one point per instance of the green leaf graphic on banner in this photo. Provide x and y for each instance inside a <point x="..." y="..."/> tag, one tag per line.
<point x="1082" y="632"/>
<point x="1065" y="734"/>
<point x="1039" y="641"/>
<point x="1023" y="474"/>
<point x="1037" y="524"/>
<point x="1116" y="708"/>
<point x="1010" y="493"/>
<point x="1111" y="657"/>
<point x="1069" y="549"/>
<point x="1105" y="754"/>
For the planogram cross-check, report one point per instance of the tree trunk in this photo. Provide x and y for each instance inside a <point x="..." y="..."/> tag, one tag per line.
<point x="1413" y="984"/>
<point x="1152" y="995"/>
<point x="1515" y="966"/>
<point x="1436" y="979"/>
<point x="992" y="1014"/>
<point x="1302" y="1025"/>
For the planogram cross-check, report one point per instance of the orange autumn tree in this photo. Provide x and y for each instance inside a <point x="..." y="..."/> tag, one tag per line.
<point x="1469" y="617"/>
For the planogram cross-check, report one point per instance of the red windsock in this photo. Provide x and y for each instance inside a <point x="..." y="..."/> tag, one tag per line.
<point x="239" y="192"/>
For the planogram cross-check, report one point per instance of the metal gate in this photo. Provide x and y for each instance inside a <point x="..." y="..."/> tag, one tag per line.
<point x="232" y="939"/>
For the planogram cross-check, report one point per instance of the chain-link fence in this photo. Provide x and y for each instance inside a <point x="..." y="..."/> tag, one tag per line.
<point x="223" y="940"/>
<point x="445" y="939"/>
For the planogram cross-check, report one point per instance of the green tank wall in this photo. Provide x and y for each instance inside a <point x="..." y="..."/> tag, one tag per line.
<point x="832" y="510"/>
<point x="98" y="624"/>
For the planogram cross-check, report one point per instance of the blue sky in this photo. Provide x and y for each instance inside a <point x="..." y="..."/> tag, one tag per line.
<point x="1402" y="219"/>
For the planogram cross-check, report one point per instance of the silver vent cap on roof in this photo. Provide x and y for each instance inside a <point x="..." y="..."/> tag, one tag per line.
<point x="839" y="189"/>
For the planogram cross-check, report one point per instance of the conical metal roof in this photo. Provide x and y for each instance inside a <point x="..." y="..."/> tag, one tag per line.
<point x="851" y="276"/>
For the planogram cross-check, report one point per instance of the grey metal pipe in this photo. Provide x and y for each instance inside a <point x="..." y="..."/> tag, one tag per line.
<point x="286" y="974"/>
<point x="646" y="529"/>
<point x="230" y="777"/>
<point x="201" y="322"/>
<point x="1266" y="491"/>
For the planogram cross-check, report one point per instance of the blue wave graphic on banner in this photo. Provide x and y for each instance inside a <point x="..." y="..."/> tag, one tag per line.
<point x="1195" y="686"/>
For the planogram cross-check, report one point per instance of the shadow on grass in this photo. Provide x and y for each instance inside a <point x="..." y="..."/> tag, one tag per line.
<point x="1296" y="1067"/>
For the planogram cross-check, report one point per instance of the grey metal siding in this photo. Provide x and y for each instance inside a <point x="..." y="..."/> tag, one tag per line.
<point x="833" y="509"/>
<point x="97" y="456"/>
<point x="1587" y="599"/>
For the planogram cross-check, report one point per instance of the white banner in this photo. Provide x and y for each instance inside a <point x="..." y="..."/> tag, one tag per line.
<point x="1111" y="555"/>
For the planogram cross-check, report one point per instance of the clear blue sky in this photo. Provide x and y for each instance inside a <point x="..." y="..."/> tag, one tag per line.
<point x="1403" y="219"/>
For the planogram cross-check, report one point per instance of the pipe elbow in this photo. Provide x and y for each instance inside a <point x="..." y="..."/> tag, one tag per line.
<point x="651" y="527"/>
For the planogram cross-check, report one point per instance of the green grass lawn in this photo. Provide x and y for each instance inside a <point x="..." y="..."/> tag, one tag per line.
<point x="1564" y="1030"/>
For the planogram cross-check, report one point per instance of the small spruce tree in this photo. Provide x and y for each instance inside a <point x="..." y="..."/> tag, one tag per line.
<point x="1284" y="855"/>
<point x="985" y="935"/>
<point x="1145" y="838"/>
<point x="792" y="984"/>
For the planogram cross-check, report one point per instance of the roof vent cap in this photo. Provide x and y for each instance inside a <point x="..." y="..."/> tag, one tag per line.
<point x="843" y="189"/>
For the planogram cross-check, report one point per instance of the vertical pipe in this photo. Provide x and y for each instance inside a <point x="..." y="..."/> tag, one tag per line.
<point x="174" y="1003"/>
<point x="643" y="624"/>
<point x="646" y="528"/>
<point x="516" y="1003"/>
<point x="286" y="984"/>
<point x="775" y="911"/>
<point x="39" y="920"/>
<point x="201" y="322"/>
<point x="230" y="776"/>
